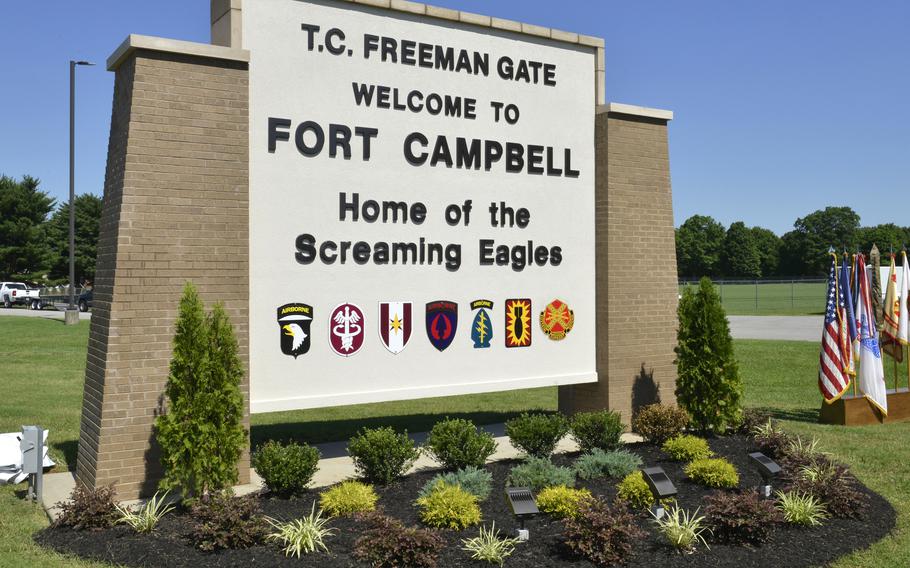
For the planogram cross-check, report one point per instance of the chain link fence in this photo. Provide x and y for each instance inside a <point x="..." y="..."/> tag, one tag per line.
<point x="770" y="297"/>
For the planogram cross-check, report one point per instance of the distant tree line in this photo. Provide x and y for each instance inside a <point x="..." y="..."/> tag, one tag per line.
<point x="34" y="233"/>
<point x="705" y="248"/>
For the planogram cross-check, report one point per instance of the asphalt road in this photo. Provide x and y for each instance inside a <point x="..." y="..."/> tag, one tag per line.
<point x="48" y="314"/>
<point x="796" y="328"/>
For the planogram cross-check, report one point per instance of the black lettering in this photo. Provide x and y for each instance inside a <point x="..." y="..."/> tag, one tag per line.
<point x="467" y="157"/>
<point x="363" y="93"/>
<point x="535" y="159"/>
<point x="401" y="250"/>
<point x="569" y="171"/>
<point x="556" y="256"/>
<point x="486" y="252"/>
<point x="381" y="253"/>
<point x="325" y="256"/>
<point x="514" y="157"/>
<point x="302" y="129"/>
<point x="441" y="153"/>
<point x="492" y="153"/>
<point x="339" y="136"/>
<point x="413" y="159"/>
<point x="541" y="254"/>
<point x="370" y="44"/>
<point x="370" y="211"/>
<point x="366" y="134"/>
<point x="361" y="252"/>
<point x="334" y="49"/>
<point x="453" y="257"/>
<point x="306" y="251"/>
<point x="310" y="30"/>
<point x="344" y="206"/>
<point x="276" y="135"/>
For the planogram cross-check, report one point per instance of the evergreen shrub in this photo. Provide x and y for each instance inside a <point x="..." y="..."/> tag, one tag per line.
<point x="382" y="455"/>
<point x="599" y="430"/>
<point x="477" y="482"/>
<point x="537" y="434"/>
<point x="449" y="507"/>
<point x="687" y="448"/>
<point x="561" y="501"/>
<point x="634" y="490"/>
<point x="457" y="443"/>
<point x="347" y="498"/>
<point x="286" y="469"/>
<point x="598" y="464"/>
<point x="713" y="472"/>
<point x="657" y="423"/>
<point x="537" y="473"/>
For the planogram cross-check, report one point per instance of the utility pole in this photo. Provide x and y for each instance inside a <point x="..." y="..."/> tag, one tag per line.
<point x="72" y="312"/>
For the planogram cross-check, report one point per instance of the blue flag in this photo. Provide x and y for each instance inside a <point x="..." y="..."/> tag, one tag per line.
<point x="846" y="294"/>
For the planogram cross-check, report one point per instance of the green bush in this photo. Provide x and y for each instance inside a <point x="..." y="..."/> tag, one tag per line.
<point x="88" y="508"/>
<point x="835" y="487"/>
<point x="201" y="432"/>
<point x="537" y="473"/>
<point x="456" y="443"/>
<point x="600" y="430"/>
<point x="598" y="464"/>
<point x="221" y="521"/>
<point x="381" y="455"/>
<point x="537" y="434"/>
<point x="387" y="543"/>
<point x="713" y="472"/>
<point x="741" y="518"/>
<point x="602" y="534"/>
<point x="708" y="384"/>
<point x="449" y="506"/>
<point x="634" y="490"/>
<point x="477" y="482"/>
<point x="347" y="498"/>
<point x="561" y="501"/>
<point x="657" y="423"/>
<point x="687" y="448"/>
<point x="286" y="469"/>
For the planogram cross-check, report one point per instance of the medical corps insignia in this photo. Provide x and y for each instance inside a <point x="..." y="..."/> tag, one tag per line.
<point x="556" y="320"/>
<point x="294" y="321"/>
<point x="395" y="325"/>
<point x="481" y="329"/>
<point x="346" y="324"/>
<point x="518" y="322"/>
<point x="442" y="321"/>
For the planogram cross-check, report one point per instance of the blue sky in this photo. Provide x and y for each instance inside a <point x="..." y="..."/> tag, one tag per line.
<point x="781" y="107"/>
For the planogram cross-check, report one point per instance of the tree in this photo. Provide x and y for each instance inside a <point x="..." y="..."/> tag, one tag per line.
<point x="768" y="245"/>
<point x="88" y="221"/>
<point x="739" y="256"/>
<point x="806" y="247"/>
<point x="201" y="432"/>
<point x="888" y="237"/>
<point x="708" y="384"/>
<point x="699" y="241"/>
<point x="23" y="244"/>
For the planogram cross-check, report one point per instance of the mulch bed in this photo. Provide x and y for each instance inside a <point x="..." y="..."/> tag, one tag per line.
<point x="790" y="547"/>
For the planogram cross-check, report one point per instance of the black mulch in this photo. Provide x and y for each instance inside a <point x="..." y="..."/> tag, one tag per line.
<point x="790" y="547"/>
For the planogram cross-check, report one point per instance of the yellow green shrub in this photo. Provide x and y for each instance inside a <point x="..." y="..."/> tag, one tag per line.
<point x="347" y="498"/>
<point x="449" y="506"/>
<point x="561" y="501"/>
<point x="713" y="472"/>
<point x="687" y="448"/>
<point x="634" y="489"/>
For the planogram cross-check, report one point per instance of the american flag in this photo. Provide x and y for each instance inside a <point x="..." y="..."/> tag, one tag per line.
<point x="833" y="376"/>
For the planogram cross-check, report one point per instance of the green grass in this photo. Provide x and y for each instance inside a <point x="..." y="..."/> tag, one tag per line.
<point x="48" y="359"/>
<point x="766" y="299"/>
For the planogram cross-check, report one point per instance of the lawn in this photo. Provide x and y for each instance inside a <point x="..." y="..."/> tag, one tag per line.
<point x="773" y="298"/>
<point x="44" y="358"/>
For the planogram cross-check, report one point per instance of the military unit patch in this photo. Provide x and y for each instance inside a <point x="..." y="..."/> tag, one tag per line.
<point x="556" y="320"/>
<point x="481" y="327"/>
<point x="346" y="324"/>
<point x="518" y="322"/>
<point x="395" y="325"/>
<point x="442" y="321"/>
<point x="294" y="321"/>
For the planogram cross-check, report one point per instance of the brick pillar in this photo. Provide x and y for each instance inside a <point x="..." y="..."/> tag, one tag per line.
<point x="175" y="210"/>
<point x="635" y="265"/>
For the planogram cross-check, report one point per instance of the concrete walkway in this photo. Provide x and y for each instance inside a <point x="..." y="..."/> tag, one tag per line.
<point x="335" y="466"/>
<point x="793" y="328"/>
<point x="47" y="314"/>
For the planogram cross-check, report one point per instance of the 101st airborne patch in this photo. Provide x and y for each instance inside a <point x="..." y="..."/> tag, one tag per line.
<point x="556" y="320"/>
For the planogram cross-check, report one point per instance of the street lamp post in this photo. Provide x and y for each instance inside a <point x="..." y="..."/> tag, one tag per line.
<point x="72" y="312"/>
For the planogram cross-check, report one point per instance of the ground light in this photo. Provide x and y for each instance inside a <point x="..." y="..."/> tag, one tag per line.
<point x="661" y="487"/>
<point x="523" y="507"/>
<point x="767" y="468"/>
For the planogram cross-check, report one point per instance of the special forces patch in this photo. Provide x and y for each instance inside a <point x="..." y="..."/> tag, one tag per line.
<point x="294" y="321"/>
<point x="556" y="320"/>
<point x="442" y="321"/>
<point x="346" y="323"/>
<point x="481" y="328"/>
<point x="395" y="325"/>
<point x="518" y="322"/>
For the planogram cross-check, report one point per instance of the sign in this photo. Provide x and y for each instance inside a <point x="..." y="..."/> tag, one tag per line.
<point x="396" y="156"/>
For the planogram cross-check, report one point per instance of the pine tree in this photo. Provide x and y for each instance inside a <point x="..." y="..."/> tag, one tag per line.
<point x="201" y="434"/>
<point x="708" y="384"/>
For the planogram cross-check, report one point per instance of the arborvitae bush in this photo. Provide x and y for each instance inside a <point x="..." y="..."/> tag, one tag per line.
<point x="537" y="473"/>
<point x="708" y="384"/>
<point x="382" y="455"/>
<point x="599" y="430"/>
<point x="537" y="434"/>
<point x="388" y="543"/>
<point x="598" y="464"/>
<point x="713" y="472"/>
<point x="687" y="448"/>
<point x="659" y="422"/>
<point x="286" y="469"/>
<point x="478" y="482"/>
<point x="741" y="518"/>
<point x="601" y="533"/>
<point x="221" y="521"/>
<point x="634" y="490"/>
<point x="88" y="508"/>
<point x="457" y="443"/>
<point x="201" y="432"/>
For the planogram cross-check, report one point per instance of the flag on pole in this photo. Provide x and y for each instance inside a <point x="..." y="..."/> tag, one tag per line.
<point x="833" y="378"/>
<point x="891" y="311"/>
<point x="848" y="319"/>
<point x="875" y="281"/>
<point x="903" y="320"/>
<point x="871" y="376"/>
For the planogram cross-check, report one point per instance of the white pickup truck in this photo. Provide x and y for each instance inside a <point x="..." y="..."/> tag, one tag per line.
<point x="16" y="293"/>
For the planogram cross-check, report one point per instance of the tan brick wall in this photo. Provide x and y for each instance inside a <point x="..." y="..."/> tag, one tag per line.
<point x="175" y="209"/>
<point x="635" y="267"/>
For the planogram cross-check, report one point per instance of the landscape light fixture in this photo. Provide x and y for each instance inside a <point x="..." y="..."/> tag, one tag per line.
<point x="523" y="506"/>
<point x="767" y="468"/>
<point x="72" y="314"/>
<point x="661" y="487"/>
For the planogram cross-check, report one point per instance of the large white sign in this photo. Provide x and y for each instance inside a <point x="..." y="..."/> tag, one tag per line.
<point x="421" y="207"/>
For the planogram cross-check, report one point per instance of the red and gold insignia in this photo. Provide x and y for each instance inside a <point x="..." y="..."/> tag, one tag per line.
<point x="518" y="322"/>
<point x="556" y="320"/>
